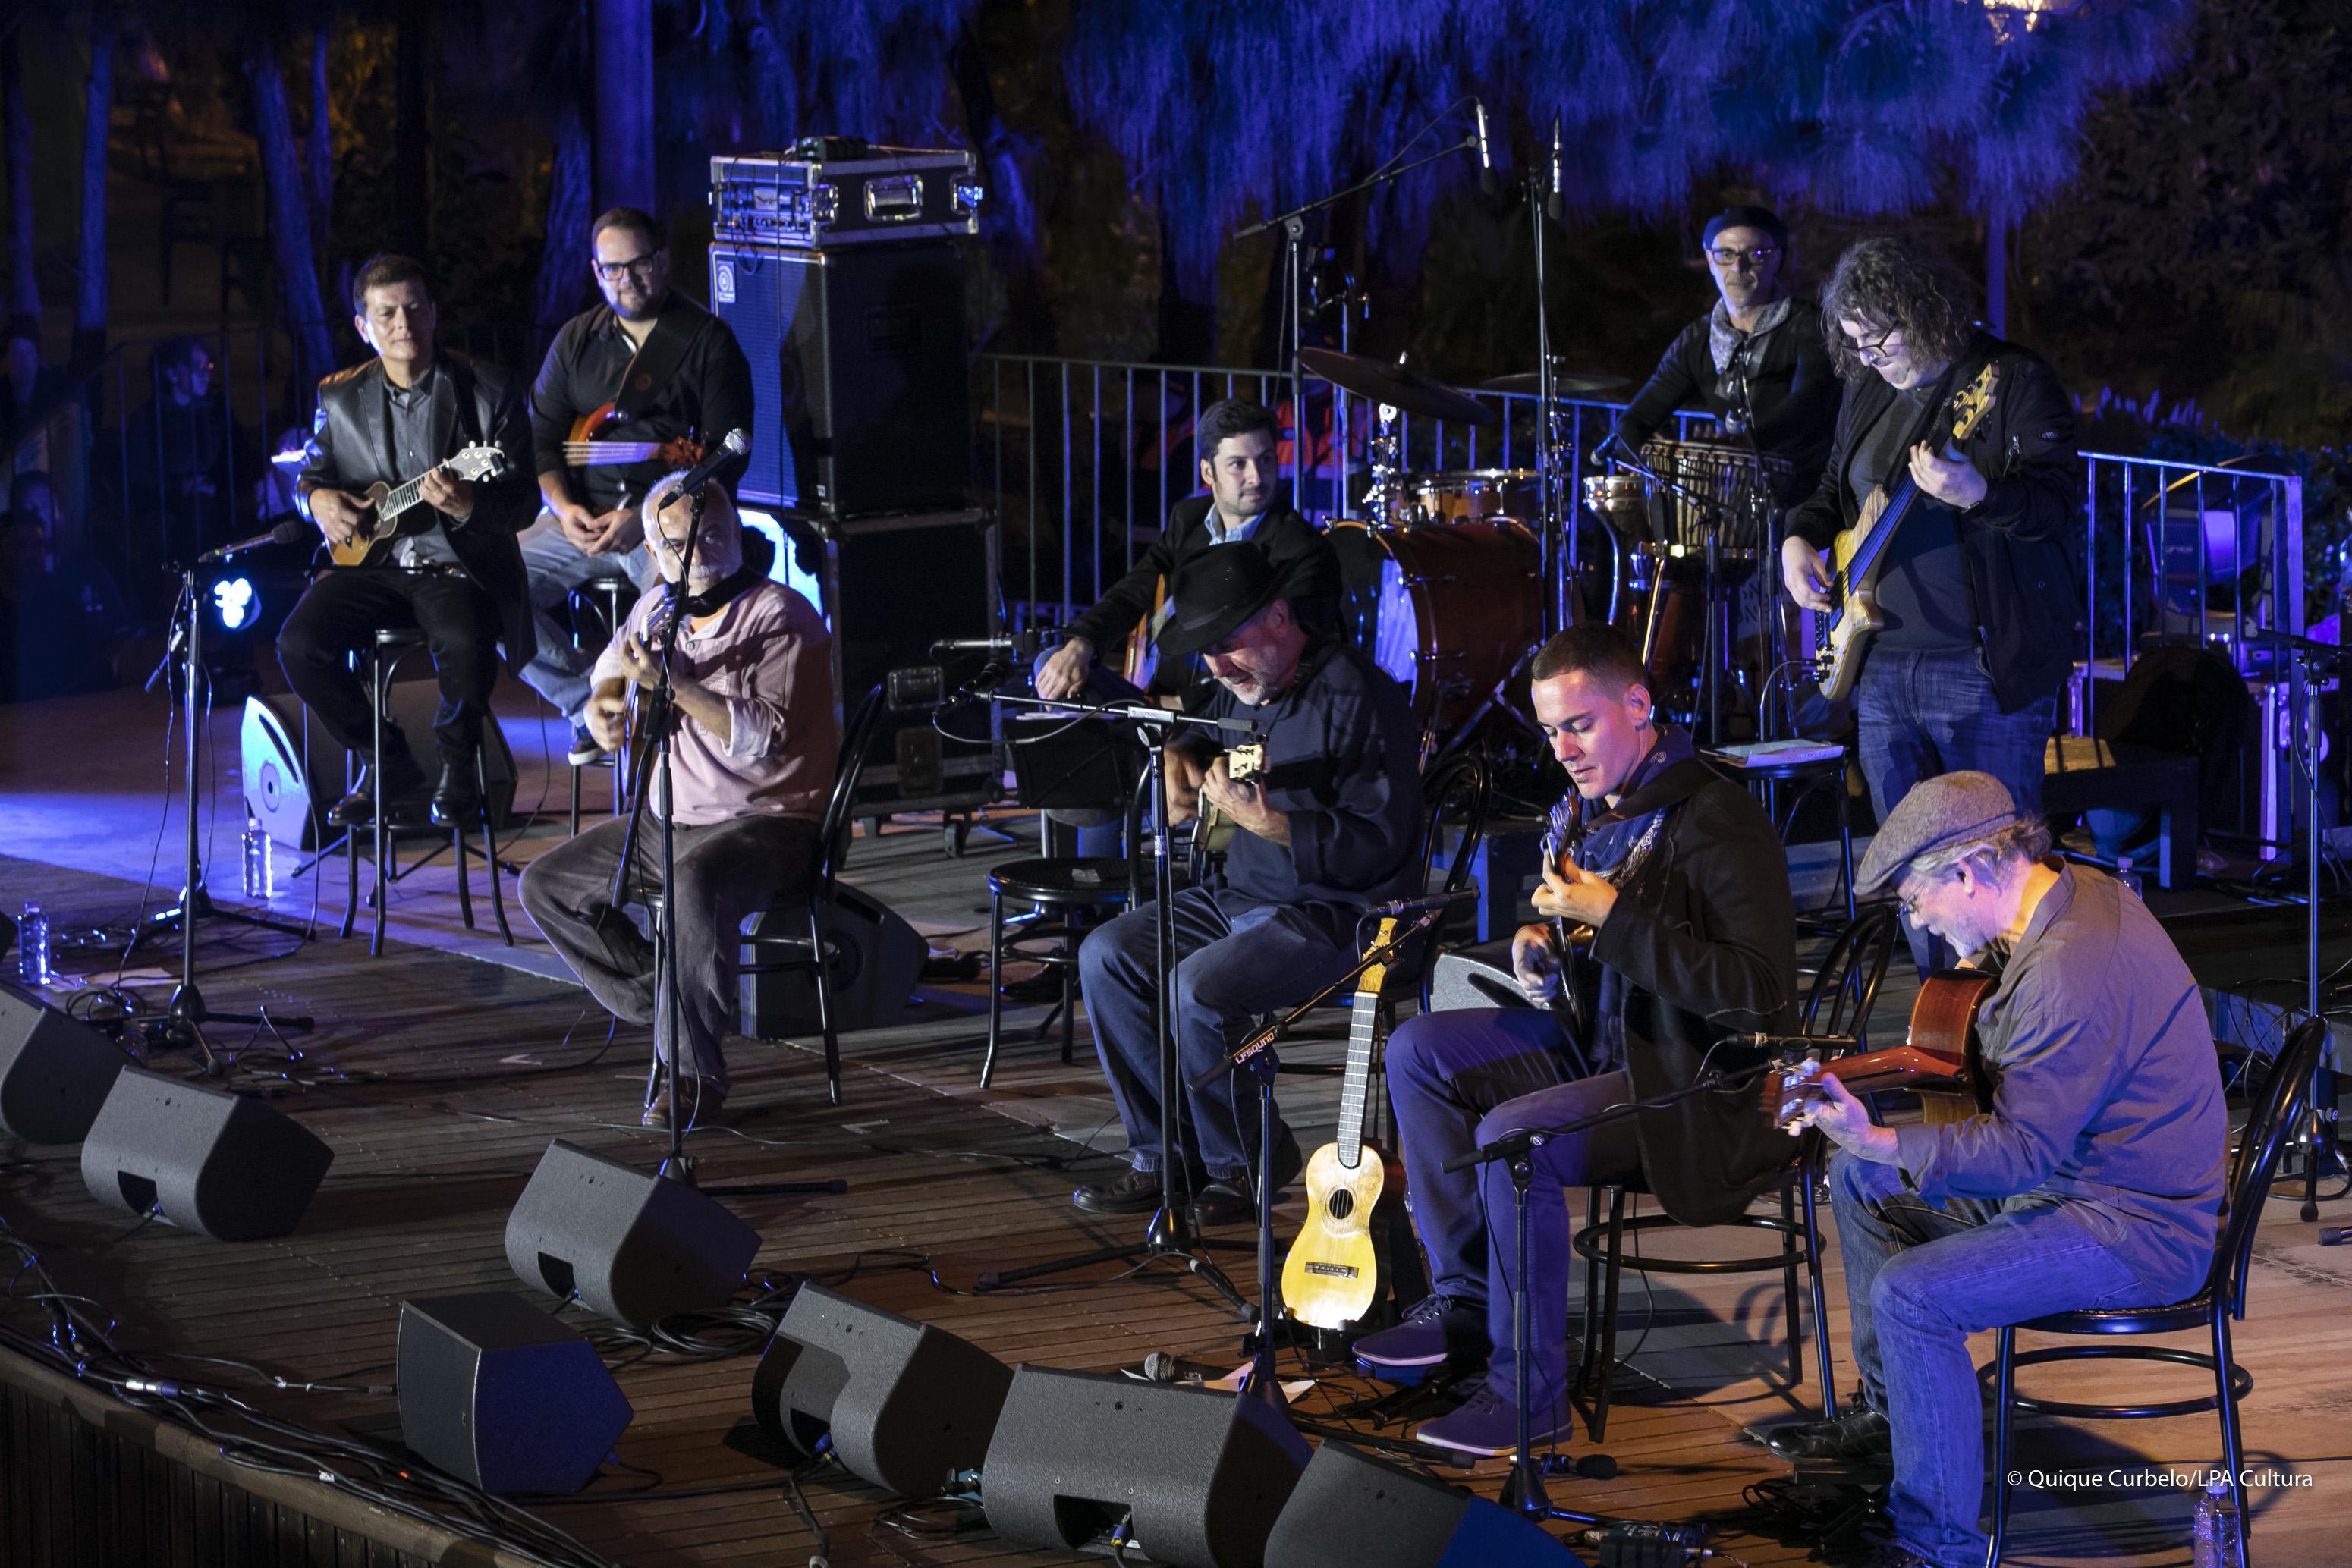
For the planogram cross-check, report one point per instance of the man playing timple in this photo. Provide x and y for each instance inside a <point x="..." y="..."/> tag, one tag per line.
<point x="1681" y="887"/>
<point x="700" y="388"/>
<point x="1330" y="826"/>
<point x="1240" y="465"/>
<point x="752" y="761"/>
<point x="2095" y="1181"/>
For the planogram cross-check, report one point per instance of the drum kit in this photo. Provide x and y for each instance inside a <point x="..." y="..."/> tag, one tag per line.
<point x="1445" y="578"/>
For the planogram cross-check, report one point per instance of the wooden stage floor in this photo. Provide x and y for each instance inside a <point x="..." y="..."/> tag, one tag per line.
<point x="438" y="1079"/>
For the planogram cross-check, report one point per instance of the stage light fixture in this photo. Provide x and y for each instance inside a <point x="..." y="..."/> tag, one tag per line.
<point x="237" y="603"/>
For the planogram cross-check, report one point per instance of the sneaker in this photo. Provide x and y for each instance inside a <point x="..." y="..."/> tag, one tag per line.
<point x="1228" y="1200"/>
<point x="1860" y="1436"/>
<point x="1132" y="1192"/>
<point x="1487" y="1424"/>
<point x="584" y="747"/>
<point x="1437" y="1330"/>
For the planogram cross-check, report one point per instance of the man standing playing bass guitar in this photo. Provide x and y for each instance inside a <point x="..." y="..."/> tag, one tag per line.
<point x="1975" y="586"/>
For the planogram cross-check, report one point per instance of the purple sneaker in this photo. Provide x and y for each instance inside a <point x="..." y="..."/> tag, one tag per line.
<point x="1439" y="1329"/>
<point x="1488" y="1425"/>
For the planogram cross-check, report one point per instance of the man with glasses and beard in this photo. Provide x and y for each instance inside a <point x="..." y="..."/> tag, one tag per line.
<point x="1756" y="361"/>
<point x="1975" y="586"/>
<point x="676" y="373"/>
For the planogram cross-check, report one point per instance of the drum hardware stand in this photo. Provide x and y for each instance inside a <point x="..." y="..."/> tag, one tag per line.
<point x="1169" y="1234"/>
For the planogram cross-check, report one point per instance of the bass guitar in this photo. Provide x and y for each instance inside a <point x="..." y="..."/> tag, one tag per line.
<point x="394" y="510"/>
<point x="1842" y="636"/>
<point x="1332" y="1276"/>
<point x="587" y="446"/>
<point x="1940" y="1058"/>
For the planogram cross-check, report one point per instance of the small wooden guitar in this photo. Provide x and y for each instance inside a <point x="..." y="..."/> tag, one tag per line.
<point x="588" y="447"/>
<point x="1559" y="831"/>
<point x="1213" y="834"/>
<point x="1332" y="1275"/>
<point x="1941" y="1058"/>
<point x="1844" y="634"/>
<point x="397" y="509"/>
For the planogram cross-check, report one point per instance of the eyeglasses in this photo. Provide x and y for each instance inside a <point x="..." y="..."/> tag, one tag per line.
<point x="1875" y="348"/>
<point x="640" y="266"/>
<point x="1755" y="256"/>
<point x="1910" y="901"/>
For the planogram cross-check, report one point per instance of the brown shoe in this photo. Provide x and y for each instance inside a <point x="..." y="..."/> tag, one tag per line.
<point x="699" y="1099"/>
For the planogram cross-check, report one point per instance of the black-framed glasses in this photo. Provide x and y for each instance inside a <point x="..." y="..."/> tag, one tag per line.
<point x="1875" y="348"/>
<point x="1754" y="256"/>
<point x="1910" y="901"/>
<point x="639" y="267"/>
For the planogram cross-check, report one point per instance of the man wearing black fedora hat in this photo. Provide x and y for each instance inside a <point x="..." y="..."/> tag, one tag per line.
<point x="1329" y="826"/>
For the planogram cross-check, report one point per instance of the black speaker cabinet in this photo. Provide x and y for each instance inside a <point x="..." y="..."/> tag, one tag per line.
<point x="55" y="1072"/>
<point x="1352" y="1507"/>
<point x="881" y="957"/>
<point x="1204" y="1474"/>
<point x="1478" y="977"/>
<point x="202" y="1160"/>
<point x="632" y="1247"/>
<point x="292" y="772"/>
<point x="499" y="1394"/>
<point x="899" y="1402"/>
<point x="858" y="374"/>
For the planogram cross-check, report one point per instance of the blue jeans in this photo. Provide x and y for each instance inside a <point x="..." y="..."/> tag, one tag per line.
<point x="1920" y="1278"/>
<point x="1235" y="957"/>
<point x="1465" y="1078"/>
<point x="555" y="566"/>
<point x="1924" y="714"/>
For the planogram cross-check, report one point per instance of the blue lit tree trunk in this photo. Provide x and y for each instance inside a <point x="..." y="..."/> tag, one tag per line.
<point x="624" y="112"/>
<point x="98" y="108"/>
<point x="322" y="140"/>
<point x="290" y="215"/>
<point x="24" y="287"/>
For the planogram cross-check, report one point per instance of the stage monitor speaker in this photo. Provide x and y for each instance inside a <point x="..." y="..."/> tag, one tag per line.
<point x="881" y="957"/>
<point x="632" y="1247"/>
<point x="501" y="1395"/>
<point x="55" y="1072"/>
<point x="858" y="375"/>
<point x="1478" y="977"/>
<point x="293" y="773"/>
<point x="1352" y="1507"/>
<point x="1203" y="1475"/>
<point x="899" y="1402"/>
<point x="203" y="1159"/>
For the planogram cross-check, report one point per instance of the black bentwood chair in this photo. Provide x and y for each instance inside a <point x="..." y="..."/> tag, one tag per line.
<point x="2276" y="1113"/>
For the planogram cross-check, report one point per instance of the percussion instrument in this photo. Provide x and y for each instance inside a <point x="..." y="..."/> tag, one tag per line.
<point x="1409" y="391"/>
<point x="1411" y="500"/>
<point x="1449" y="612"/>
<point x="1564" y="383"/>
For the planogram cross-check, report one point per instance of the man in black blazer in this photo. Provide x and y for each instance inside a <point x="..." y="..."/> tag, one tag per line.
<point x="460" y="579"/>
<point x="1756" y="361"/>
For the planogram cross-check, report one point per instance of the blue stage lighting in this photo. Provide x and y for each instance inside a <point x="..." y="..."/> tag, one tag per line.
<point x="237" y="600"/>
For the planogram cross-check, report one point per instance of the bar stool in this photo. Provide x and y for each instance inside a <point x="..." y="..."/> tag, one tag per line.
<point x="1822" y="773"/>
<point x="379" y="666"/>
<point x="611" y="591"/>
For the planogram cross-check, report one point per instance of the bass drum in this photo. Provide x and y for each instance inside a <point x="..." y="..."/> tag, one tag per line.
<point x="1448" y="611"/>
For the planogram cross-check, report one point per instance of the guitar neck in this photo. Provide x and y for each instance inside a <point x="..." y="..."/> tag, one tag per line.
<point x="1355" y="1090"/>
<point x="1865" y="559"/>
<point x="602" y="454"/>
<point x="400" y="498"/>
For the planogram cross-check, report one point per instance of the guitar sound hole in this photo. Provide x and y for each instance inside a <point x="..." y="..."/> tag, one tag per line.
<point x="1343" y="1204"/>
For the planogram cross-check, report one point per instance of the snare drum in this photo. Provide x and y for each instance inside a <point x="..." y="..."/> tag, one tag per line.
<point x="1448" y="611"/>
<point x="1623" y="501"/>
<point x="1413" y="500"/>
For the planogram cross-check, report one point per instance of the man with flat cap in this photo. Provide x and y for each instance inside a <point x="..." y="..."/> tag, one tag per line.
<point x="1756" y="361"/>
<point x="1331" y="824"/>
<point x="2095" y="1180"/>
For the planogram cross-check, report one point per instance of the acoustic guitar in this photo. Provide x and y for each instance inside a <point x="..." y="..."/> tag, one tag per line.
<point x="1213" y="834"/>
<point x="1940" y="1058"/>
<point x="1844" y="634"/>
<point x="587" y="446"/>
<point x="394" y="510"/>
<point x="1332" y="1275"/>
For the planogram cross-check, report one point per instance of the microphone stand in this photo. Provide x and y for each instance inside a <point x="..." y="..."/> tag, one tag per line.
<point x="1169" y="1234"/>
<point x="186" y="1013"/>
<point x="1256" y="1055"/>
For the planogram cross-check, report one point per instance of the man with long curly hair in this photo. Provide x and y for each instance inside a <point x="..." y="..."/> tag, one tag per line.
<point x="1977" y="586"/>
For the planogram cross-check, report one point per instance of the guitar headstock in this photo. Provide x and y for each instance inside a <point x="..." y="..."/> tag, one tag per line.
<point x="1974" y="401"/>
<point x="1559" y="823"/>
<point x="478" y="462"/>
<point x="1375" y="976"/>
<point x="1245" y="761"/>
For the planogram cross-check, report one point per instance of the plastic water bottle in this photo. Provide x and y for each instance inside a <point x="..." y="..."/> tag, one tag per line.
<point x="33" y="947"/>
<point x="2128" y="877"/>
<point x="257" y="879"/>
<point x="2214" y="1531"/>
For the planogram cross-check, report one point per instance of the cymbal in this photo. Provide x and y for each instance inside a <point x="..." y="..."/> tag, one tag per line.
<point x="1396" y="386"/>
<point x="1566" y="382"/>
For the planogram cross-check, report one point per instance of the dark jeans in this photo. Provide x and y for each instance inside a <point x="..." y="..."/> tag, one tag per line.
<point x="726" y="871"/>
<point x="1920" y="1278"/>
<point x="1465" y="1078"/>
<point x="1924" y="715"/>
<point x="340" y="613"/>
<point x="1235" y="957"/>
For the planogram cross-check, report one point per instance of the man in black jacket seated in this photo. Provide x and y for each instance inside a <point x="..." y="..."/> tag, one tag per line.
<point x="1681" y="889"/>
<point x="1756" y="361"/>
<point x="1977" y="584"/>
<point x="1332" y="825"/>
<point x="1241" y="466"/>
<point x="460" y="579"/>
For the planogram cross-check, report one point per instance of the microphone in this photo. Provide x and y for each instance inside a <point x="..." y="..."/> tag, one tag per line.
<point x="1430" y="901"/>
<point x="733" y="445"/>
<point x="1485" y="153"/>
<point x="1806" y="1042"/>
<point x="1020" y="646"/>
<point x="292" y="531"/>
<point x="1555" y="204"/>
